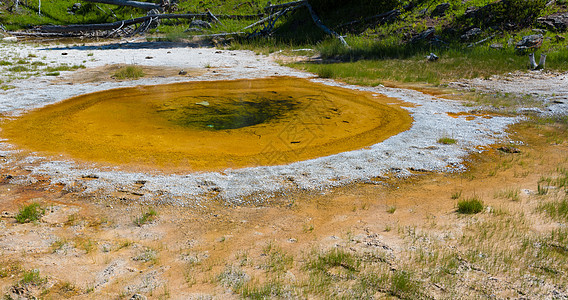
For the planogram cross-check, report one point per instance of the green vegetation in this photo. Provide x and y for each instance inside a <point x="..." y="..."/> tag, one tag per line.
<point x="147" y="217"/>
<point x="32" y="277"/>
<point x="512" y="194"/>
<point x="64" y="67"/>
<point x="470" y="206"/>
<point x="30" y="213"/>
<point x="557" y="210"/>
<point x="456" y="195"/>
<point x="129" y="72"/>
<point x="446" y="141"/>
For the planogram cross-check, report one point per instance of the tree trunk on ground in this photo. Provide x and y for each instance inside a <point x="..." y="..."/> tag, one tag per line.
<point x="137" y="4"/>
<point x="111" y="26"/>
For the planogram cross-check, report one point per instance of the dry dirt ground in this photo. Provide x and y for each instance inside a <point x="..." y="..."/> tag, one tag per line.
<point x="386" y="238"/>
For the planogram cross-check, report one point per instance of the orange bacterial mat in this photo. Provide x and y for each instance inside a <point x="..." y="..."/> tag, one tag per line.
<point x="209" y="125"/>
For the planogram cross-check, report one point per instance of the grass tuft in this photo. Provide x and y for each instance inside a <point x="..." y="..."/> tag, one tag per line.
<point x="32" y="277"/>
<point x="446" y="141"/>
<point x="147" y="217"/>
<point x="30" y="213"/>
<point x="129" y="72"/>
<point x="557" y="210"/>
<point x="470" y="206"/>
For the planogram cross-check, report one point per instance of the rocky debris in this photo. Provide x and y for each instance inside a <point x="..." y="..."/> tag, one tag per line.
<point x="138" y="297"/>
<point x="427" y="34"/>
<point x="432" y="57"/>
<point x="440" y="10"/>
<point x="509" y="149"/>
<point x="182" y="72"/>
<point x="6" y="214"/>
<point x="114" y="269"/>
<point x="198" y="25"/>
<point x="470" y="34"/>
<point x="556" y="22"/>
<point x="530" y="42"/>
<point x="74" y="8"/>
<point x="20" y="292"/>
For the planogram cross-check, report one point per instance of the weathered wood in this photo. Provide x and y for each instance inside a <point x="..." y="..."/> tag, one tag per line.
<point x="236" y="33"/>
<point x="261" y="21"/>
<point x="137" y="4"/>
<point x="284" y="5"/>
<point x="532" y="62"/>
<point x="113" y="25"/>
<point x="541" y="61"/>
<point x="319" y="24"/>
<point x="212" y="16"/>
<point x="40" y="34"/>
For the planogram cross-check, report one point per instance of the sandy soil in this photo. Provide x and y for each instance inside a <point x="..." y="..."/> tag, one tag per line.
<point x="88" y="245"/>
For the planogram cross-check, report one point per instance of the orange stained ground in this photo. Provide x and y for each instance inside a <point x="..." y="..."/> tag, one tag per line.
<point x="153" y="128"/>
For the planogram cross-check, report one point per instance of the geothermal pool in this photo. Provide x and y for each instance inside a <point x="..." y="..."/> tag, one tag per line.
<point x="209" y="125"/>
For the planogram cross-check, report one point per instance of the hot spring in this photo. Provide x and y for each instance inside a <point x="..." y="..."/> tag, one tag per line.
<point x="209" y="125"/>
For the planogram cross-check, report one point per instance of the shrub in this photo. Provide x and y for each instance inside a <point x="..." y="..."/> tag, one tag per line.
<point x="470" y="206"/>
<point x="30" y="213"/>
<point x="129" y="72"/>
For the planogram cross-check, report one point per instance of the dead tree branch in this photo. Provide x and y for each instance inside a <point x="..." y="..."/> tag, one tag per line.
<point x="319" y="24"/>
<point x="113" y="25"/>
<point x="285" y="5"/>
<point x="137" y="4"/>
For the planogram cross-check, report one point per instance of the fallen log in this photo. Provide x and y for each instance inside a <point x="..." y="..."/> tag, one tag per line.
<point x="285" y="5"/>
<point x="40" y="34"/>
<point x="319" y="24"/>
<point x="137" y="4"/>
<point x="113" y="25"/>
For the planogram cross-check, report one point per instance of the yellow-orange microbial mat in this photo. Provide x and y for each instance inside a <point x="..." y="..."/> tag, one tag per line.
<point x="209" y="125"/>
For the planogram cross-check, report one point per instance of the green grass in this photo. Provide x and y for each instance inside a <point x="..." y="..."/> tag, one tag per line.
<point x="64" y="67"/>
<point x="32" y="277"/>
<point x="456" y="195"/>
<point x="557" y="210"/>
<point x="446" y="141"/>
<point x="147" y="217"/>
<point x="402" y="286"/>
<point x="470" y="206"/>
<point x="30" y="213"/>
<point x="334" y="258"/>
<point x="129" y="72"/>
<point x="18" y="69"/>
<point x="512" y="194"/>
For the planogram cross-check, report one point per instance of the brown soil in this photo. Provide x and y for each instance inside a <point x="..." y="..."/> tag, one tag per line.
<point x="90" y="248"/>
